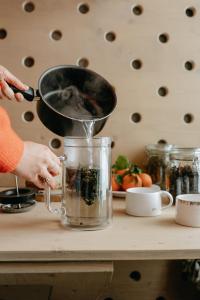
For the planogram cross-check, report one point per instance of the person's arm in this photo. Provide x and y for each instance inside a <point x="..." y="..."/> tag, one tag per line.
<point x="11" y="146"/>
<point x="32" y="161"/>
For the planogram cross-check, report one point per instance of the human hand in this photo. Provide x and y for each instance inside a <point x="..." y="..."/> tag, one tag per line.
<point x="5" y="91"/>
<point x="38" y="165"/>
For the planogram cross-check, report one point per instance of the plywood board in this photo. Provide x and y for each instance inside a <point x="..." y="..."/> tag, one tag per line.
<point x="138" y="47"/>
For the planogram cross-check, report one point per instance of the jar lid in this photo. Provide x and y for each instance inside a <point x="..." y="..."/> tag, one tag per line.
<point x="159" y="148"/>
<point x="184" y="153"/>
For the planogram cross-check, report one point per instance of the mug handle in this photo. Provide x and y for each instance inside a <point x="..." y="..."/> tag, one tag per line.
<point x="47" y="193"/>
<point x="170" y="198"/>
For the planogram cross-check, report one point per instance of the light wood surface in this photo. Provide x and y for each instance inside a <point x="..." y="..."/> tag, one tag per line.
<point x="38" y="235"/>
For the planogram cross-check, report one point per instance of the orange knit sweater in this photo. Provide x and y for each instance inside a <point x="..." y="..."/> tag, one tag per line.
<point x="11" y="146"/>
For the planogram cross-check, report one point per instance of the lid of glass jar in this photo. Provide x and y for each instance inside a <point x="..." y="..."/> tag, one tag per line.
<point x="159" y="148"/>
<point x="184" y="153"/>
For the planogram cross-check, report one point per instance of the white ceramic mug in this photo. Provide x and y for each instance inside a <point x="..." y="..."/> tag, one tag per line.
<point x="146" y="201"/>
<point x="188" y="210"/>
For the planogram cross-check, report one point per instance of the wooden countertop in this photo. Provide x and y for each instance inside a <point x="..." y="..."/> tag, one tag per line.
<point x="38" y="236"/>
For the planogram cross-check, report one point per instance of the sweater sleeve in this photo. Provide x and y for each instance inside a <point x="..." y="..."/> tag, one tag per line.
<point x="11" y="146"/>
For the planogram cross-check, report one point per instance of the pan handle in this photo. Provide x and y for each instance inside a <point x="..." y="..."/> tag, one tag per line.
<point x="29" y="94"/>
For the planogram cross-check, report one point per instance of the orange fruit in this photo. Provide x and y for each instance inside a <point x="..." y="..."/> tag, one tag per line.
<point x="115" y="185"/>
<point x="130" y="181"/>
<point x="146" y="179"/>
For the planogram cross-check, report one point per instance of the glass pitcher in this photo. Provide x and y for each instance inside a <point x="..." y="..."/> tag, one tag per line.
<point x="86" y="184"/>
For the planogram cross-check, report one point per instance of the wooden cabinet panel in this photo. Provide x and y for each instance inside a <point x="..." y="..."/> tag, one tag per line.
<point x="54" y="281"/>
<point x="24" y="292"/>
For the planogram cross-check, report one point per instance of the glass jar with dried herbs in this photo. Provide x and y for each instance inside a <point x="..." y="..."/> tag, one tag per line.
<point x="183" y="172"/>
<point x="158" y="158"/>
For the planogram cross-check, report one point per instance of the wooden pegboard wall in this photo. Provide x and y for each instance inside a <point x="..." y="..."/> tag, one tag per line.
<point x="148" y="50"/>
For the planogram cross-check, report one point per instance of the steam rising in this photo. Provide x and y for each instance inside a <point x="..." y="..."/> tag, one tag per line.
<point x="74" y="104"/>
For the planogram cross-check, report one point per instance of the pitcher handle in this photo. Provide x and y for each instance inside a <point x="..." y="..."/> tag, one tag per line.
<point x="170" y="198"/>
<point x="47" y="191"/>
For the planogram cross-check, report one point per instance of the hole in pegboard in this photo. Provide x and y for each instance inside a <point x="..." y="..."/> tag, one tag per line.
<point x="189" y="65"/>
<point x="137" y="10"/>
<point x="112" y="144"/>
<point x="135" y="275"/>
<point x="190" y="12"/>
<point x="28" y="116"/>
<point x="3" y="33"/>
<point x="136" y="64"/>
<point x="163" y="91"/>
<point x="164" y="38"/>
<point x="56" y="35"/>
<point x="83" y="8"/>
<point x="160" y="298"/>
<point x="29" y="7"/>
<point x="136" y="117"/>
<point x="188" y="118"/>
<point x="55" y="143"/>
<point x="28" y="61"/>
<point x="162" y="142"/>
<point x="110" y="36"/>
<point x="83" y="62"/>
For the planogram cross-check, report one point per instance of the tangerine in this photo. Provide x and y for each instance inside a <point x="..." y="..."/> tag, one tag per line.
<point x="146" y="179"/>
<point x="131" y="180"/>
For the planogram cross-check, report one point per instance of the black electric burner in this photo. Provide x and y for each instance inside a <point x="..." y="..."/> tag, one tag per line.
<point x="17" y="201"/>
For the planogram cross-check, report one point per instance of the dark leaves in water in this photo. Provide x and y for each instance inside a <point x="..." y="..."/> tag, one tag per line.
<point x="86" y="183"/>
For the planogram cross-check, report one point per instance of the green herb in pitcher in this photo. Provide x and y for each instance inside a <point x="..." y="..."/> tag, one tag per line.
<point x="85" y="182"/>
